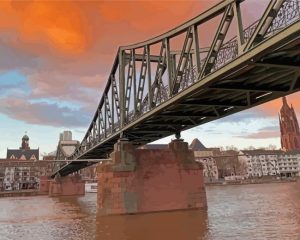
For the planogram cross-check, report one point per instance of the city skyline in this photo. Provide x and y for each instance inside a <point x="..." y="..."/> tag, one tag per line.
<point x="143" y="119"/>
<point x="191" y="136"/>
<point x="50" y="84"/>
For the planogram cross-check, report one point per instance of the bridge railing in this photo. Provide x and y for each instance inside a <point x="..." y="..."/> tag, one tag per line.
<point x="147" y="74"/>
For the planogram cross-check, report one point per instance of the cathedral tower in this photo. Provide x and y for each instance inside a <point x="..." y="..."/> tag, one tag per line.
<point x="289" y="127"/>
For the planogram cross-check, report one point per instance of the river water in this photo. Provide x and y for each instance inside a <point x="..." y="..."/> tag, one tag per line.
<point x="261" y="211"/>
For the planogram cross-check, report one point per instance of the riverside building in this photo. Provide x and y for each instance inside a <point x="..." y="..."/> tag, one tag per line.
<point x="24" y="153"/>
<point x="262" y="162"/>
<point x="21" y="169"/>
<point x="205" y="156"/>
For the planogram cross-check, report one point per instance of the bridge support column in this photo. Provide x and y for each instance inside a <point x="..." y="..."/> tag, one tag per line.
<point x="66" y="186"/>
<point x="44" y="184"/>
<point x="150" y="180"/>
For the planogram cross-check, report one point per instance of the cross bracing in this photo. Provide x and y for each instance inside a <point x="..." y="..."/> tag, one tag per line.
<point x="171" y="83"/>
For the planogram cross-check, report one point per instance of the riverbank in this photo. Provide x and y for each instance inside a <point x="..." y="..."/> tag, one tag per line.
<point x="23" y="193"/>
<point x="251" y="181"/>
<point x="28" y="193"/>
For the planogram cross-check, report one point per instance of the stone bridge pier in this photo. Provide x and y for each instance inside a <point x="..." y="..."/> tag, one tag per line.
<point x="71" y="185"/>
<point x="150" y="180"/>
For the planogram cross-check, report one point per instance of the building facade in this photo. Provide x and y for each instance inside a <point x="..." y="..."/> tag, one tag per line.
<point x="289" y="164"/>
<point x="272" y="163"/>
<point x="24" y="153"/>
<point x="22" y="175"/>
<point x="210" y="169"/>
<point x="66" y="146"/>
<point x="289" y="127"/>
<point x="230" y="163"/>
<point x="65" y="136"/>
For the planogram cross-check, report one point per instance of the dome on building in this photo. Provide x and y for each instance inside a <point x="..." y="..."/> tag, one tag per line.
<point x="25" y="137"/>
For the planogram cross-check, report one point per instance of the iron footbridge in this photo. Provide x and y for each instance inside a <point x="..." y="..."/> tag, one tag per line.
<point x="205" y="69"/>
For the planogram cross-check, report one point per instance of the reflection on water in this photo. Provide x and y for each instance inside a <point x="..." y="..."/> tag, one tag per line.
<point x="268" y="211"/>
<point x="177" y="225"/>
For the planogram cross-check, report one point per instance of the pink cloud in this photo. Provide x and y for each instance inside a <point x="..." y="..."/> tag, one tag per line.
<point x="66" y="49"/>
<point x="44" y="113"/>
<point x="262" y="135"/>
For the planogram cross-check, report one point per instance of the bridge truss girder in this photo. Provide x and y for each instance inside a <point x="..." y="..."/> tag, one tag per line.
<point x="156" y="89"/>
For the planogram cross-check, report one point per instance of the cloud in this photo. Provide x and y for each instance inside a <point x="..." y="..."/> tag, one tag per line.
<point x="271" y="131"/>
<point x="262" y="135"/>
<point x="19" y="100"/>
<point x="267" y="110"/>
<point x="272" y="108"/>
<point x="245" y="116"/>
<point x="270" y="128"/>
<point x="43" y="113"/>
<point x="66" y="49"/>
<point x="68" y="87"/>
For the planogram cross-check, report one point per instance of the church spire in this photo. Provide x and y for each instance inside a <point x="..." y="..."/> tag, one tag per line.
<point x="289" y="127"/>
<point x="284" y="101"/>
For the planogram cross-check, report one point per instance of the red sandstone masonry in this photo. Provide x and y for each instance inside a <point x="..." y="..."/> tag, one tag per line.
<point x="66" y="186"/>
<point x="44" y="184"/>
<point x="144" y="180"/>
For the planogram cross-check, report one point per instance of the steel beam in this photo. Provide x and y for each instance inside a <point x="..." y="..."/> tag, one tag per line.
<point x="264" y="23"/>
<point x="249" y="74"/>
<point x="212" y="103"/>
<point x="239" y="87"/>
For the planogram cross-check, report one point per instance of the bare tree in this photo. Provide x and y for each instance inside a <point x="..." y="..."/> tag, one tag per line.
<point x="250" y="148"/>
<point x="271" y="147"/>
<point x="231" y="147"/>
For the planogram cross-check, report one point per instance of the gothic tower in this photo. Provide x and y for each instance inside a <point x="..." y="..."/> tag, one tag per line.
<point x="289" y="127"/>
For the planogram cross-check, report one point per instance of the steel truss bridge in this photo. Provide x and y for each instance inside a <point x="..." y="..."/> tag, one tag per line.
<point x="171" y="83"/>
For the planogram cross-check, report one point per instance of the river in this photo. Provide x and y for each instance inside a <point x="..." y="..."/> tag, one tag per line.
<point x="260" y="211"/>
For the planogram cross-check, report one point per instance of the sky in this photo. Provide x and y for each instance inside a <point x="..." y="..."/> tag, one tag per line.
<point x="55" y="57"/>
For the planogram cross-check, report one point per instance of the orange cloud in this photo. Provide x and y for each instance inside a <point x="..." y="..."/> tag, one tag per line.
<point x="75" y="27"/>
<point x="57" y="25"/>
<point x="272" y="108"/>
<point x="64" y="45"/>
<point x="80" y="38"/>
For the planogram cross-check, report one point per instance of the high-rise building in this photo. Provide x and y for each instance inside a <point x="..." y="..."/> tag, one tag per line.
<point x="66" y="146"/>
<point x="289" y="127"/>
<point x="65" y="136"/>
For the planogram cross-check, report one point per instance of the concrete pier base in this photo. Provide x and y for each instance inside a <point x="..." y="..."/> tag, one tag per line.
<point x="66" y="186"/>
<point x="147" y="180"/>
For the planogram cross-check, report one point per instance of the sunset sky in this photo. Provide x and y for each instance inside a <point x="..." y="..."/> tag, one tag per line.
<point x="55" y="57"/>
